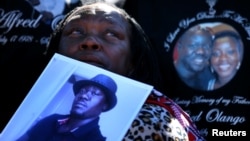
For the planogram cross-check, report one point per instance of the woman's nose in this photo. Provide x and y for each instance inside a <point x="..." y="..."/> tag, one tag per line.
<point x="90" y="43"/>
<point x="223" y="56"/>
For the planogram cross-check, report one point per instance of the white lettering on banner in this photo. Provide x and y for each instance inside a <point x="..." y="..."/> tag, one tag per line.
<point x="13" y="38"/>
<point x="215" y="115"/>
<point x="234" y="16"/>
<point x="197" y="117"/>
<point x="170" y="38"/>
<point x="201" y="99"/>
<point x="226" y="102"/>
<point x="44" y="40"/>
<point x="204" y="15"/>
<point x="240" y="100"/>
<point x="204" y="131"/>
<point x="13" y="19"/>
<point x="3" y="40"/>
<point x="236" y="100"/>
<point x="55" y="21"/>
<point x="25" y="39"/>
<point x="185" y="102"/>
<point x="218" y="100"/>
<point x="185" y="23"/>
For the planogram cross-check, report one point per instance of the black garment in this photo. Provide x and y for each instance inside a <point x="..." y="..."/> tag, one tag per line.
<point x="23" y="41"/>
<point x="47" y="130"/>
<point x="164" y="22"/>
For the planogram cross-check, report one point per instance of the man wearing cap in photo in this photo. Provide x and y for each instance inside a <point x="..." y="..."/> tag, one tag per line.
<point x="92" y="97"/>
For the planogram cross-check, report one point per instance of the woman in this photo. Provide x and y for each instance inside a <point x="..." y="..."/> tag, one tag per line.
<point x="226" y="58"/>
<point x="106" y="36"/>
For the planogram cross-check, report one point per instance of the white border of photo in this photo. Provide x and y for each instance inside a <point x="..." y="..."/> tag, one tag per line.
<point x="52" y="93"/>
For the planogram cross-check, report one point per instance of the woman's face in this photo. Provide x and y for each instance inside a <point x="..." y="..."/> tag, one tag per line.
<point x="100" y="38"/>
<point x="225" y="57"/>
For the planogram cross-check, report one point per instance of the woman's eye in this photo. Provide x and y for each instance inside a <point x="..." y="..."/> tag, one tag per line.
<point x="231" y="52"/>
<point x="110" y="34"/>
<point x="76" y="32"/>
<point x="215" y="54"/>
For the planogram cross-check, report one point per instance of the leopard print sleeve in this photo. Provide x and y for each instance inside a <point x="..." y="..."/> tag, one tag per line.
<point x="160" y="119"/>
